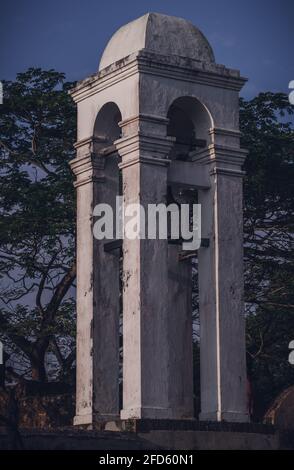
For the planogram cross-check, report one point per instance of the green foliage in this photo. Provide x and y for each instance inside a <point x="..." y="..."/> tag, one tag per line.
<point x="267" y="132"/>
<point x="37" y="211"/>
<point x="37" y="219"/>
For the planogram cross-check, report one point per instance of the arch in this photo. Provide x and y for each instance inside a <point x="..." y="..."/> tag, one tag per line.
<point x="106" y="126"/>
<point x="189" y="122"/>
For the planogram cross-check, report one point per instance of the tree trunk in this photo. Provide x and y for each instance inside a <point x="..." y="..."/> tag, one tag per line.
<point x="38" y="364"/>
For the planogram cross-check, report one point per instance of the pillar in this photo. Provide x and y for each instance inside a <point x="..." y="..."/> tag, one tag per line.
<point x="222" y="325"/>
<point x="97" y="394"/>
<point x="145" y="272"/>
<point x="180" y="334"/>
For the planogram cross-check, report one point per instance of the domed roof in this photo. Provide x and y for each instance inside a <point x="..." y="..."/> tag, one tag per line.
<point x="162" y="34"/>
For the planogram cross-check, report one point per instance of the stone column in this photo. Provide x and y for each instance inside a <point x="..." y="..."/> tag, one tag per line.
<point x="145" y="274"/>
<point x="222" y="325"/>
<point x="180" y="334"/>
<point x="97" y="394"/>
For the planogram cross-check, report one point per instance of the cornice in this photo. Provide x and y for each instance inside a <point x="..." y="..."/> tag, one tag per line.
<point x="143" y="148"/>
<point x="143" y="62"/>
<point x="88" y="169"/>
<point x="230" y="156"/>
<point x="224" y="132"/>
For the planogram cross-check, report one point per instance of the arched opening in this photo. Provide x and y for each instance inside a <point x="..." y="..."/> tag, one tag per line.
<point x="106" y="131"/>
<point x="106" y="124"/>
<point x="189" y="123"/>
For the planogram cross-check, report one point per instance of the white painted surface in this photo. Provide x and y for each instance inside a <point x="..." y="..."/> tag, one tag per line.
<point x="167" y="35"/>
<point x="157" y="70"/>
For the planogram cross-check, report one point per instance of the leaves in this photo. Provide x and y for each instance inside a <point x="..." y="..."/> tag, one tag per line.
<point x="267" y="132"/>
<point x="37" y="207"/>
<point x="37" y="225"/>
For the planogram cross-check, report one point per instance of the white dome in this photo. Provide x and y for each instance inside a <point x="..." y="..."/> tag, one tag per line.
<point x="162" y="34"/>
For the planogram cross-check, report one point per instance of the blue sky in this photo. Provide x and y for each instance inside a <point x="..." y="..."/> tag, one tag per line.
<point x="256" y="36"/>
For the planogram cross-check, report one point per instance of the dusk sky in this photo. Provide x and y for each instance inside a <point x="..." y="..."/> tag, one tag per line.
<point x="255" y="36"/>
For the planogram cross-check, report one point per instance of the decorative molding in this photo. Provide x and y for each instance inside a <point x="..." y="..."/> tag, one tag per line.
<point x="88" y="169"/>
<point x="87" y="180"/>
<point x="227" y="172"/>
<point x="139" y="147"/>
<point x="178" y="68"/>
<point x="144" y="124"/>
<point x="224" y="132"/>
<point x="231" y="156"/>
<point x="187" y="70"/>
<point x="89" y="141"/>
<point x="100" y="81"/>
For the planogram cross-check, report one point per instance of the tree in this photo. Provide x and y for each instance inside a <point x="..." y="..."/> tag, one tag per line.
<point x="268" y="242"/>
<point x="37" y="219"/>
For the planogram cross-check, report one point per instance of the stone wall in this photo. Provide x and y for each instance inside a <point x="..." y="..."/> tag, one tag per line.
<point x="36" y="410"/>
<point x="78" y="439"/>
